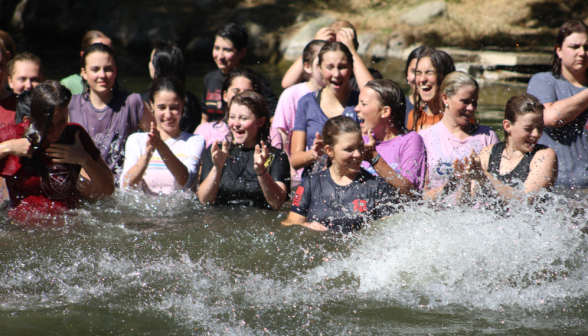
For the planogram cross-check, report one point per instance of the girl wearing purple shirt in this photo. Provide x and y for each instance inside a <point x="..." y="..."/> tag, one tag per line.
<point x="381" y="108"/>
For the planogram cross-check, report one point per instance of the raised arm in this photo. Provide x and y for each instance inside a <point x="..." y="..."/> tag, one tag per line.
<point x="209" y="187"/>
<point x="273" y="191"/>
<point x="146" y="119"/>
<point x="361" y="72"/>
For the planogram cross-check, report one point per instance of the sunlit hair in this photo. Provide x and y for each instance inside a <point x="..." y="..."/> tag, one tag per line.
<point x="23" y="106"/>
<point x="8" y="42"/>
<point x="169" y="84"/>
<point x="235" y="33"/>
<point x="391" y="95"/>
<point x="310" y="53"/>
<point x="564" y="31"/>
<point x="258" y="106"/>
<point x="337" y="25"/>
<point x="415" y="54"/>
<point x="336" y="46"/>
<point x="455" y="81"/>
<point x="443" y="65"/>
<point x="168" y="60"/>
<point x="91" y="36"/>
<point x="25" y="57"/>
<point x="236" y="73"/>
<point x="520" y="105"/>
<point x="97" y="47"/>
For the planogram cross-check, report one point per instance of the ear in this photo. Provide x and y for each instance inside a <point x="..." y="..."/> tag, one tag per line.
<point x="9" y="79"/>
<point x="330" y="152"/>
<point x="243" y="53"/>
<point x="386" y="111"/>
<point x="225" y="96"/>
<point x="445" y="99"/>
<point x="507" y="125"/>
<point x="260" y="121"/>
<point x="558" y="50"/>
<point x="307" y="68"/>
<point x="83" y="74"/>
<point x="81" y="54"/>
<point x="151" y="104"/>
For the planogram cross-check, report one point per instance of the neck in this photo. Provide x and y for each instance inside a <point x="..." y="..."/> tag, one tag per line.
<point x="459" y="131"/>
<point x="166" y="136"/>
<point x="313" y="85"/>
<point x="511" y="152"/>
<point x="342" y="96"/>
<point x="433" y="107"/>
<point x="102" y="99"/>
<point x="342" y="176"/>
<point x="576" y="78"/>
<point x="385" y="131"/>
<point x="227" y="70"/>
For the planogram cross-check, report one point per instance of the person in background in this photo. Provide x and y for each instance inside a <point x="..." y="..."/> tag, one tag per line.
<point x="246" y="170"/>
<point x="230" y="47"/>
<point x="344" y="196"/>
<point x="564" y="93"/>
<point x="168" y="60"/>
<point x="394" y="153"/>
<point x="25" y="72"/>
<point x="8" y="43"/>
<point x="108" y="114"/>
<point x="237" y="81"/>
<point x="339" y="31"/>
<point x="165" y="159"/>
<point x="432" y="67"/>
<point x="7" y="98"/>
<point x="284" y="119"/>
<point x="75" y="82"/>
<point x="410" y="74"/>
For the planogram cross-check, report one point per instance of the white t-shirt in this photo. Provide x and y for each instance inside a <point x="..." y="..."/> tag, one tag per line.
<point x="157" y="179"/>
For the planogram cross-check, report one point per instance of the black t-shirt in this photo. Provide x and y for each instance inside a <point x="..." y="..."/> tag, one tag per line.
<point x="192" y="112"/>
<point x="239" y="183"/>
<point x="320" y="199"/>
<point x="212" y="99"/>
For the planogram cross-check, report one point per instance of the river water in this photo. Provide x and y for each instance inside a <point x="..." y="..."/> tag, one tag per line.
<point x="137" y="264"/>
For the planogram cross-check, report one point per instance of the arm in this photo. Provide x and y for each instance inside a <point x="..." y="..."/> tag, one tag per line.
<point x="209" y="187"/>
<point x="18" y="147"/>
<point x="146" y="119"/>
<point x="296" y="219"/>
<point x="562" y="112"/>
<point x="361" y="72"/>
<point x="300" y="157"/>
<point x="274" y="192"/>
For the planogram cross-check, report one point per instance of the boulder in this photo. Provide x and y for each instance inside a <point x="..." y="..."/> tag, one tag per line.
<point x="379" y="51"/>
<point x="365" y="40"/>
<point x="396" y="46"/>
<point x="422" y="14"/>
<point x="292" y="47"/>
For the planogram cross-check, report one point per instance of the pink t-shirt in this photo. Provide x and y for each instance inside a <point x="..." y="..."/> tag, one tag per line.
<point x="211" y="131"/>
<point x="284" y="120"/>
<point x="405" y="154"/>
<point x="443" y="147"/>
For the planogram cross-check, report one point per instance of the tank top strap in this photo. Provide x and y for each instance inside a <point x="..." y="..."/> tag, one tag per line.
<point x="495" y="158"/>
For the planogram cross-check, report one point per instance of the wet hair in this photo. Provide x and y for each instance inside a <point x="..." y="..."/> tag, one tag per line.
<point x="8" y="43"/>
<point x="390" y="94"/>
<point x="337" y="25"/>
<point x="336" y="126"/>
<point x="415" y="54"/>
<point x="311" y="51"/>
<point x="443" y="65"/>
<point x="91" y="36"/>
<point x="335" y="46"/>
<point x="256" y="104"/>
<point x="564" y="31"/>
<point x="92" y="48"/>
<point x="240" y="72"/>
<point x="170" y="84"/>
<point x="23" y="106"/>
<point x="25" y="57"/>
<point x="235" y="33"/>
<point x="455" y="81"/>
<point x="168" y="60"/>
<point x="520" y="105"/>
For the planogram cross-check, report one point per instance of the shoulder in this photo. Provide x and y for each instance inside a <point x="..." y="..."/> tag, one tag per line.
<point x="137" y="137"/>
<point x="545" y="152"/>
<point x="211" y="75"/>
<point x="543" y="76"/>
<point x="309" y="97"/>
<point x="193" y="139"/>
<point x="131" y="97"/>
<point x="412" y="136"/>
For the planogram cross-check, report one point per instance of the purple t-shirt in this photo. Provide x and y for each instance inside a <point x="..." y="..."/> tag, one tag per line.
<point x="111" y="126"/>
<point x="405" y="154"/>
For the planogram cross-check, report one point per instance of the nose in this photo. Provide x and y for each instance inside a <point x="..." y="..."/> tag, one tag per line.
<point x="536" y="133"/>
<point x="356" y="108"/>
<point x="29" y="85"/>
<point x="356" y="153"/>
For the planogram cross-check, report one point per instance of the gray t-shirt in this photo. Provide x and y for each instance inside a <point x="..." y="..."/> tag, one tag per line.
<point x="111" y="126"/>
<point x="570" y="142"/>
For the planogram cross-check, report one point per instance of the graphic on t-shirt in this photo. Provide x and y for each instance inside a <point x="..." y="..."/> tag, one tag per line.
<point x="60" y="181"/>
<point x="298" y="196"/>
<point x="359" y="205"/>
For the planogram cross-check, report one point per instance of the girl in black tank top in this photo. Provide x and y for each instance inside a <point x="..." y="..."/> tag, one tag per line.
<point x="519" y="173"/>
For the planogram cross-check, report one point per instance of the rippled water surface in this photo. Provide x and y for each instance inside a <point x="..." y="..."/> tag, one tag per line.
<point x="145" y="265"/>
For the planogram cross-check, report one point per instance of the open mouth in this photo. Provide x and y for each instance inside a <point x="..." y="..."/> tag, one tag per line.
<point x="426" y="88"/>
<point x="337" y="84"/>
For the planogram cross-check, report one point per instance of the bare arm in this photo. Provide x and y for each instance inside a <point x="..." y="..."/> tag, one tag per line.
<point x="361" y="72"/>
<point x="300" y="156"/>
<point x="209" y="187"/>
<point x="296" y="219"/>
<point x="146" y="119"/>
<point x="562" y="112"/>
<point x="18" y="147"/>
<point x="402" y="184"/>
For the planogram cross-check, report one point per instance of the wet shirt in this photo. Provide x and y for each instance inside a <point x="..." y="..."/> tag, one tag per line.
<point x="54" y="188"/>
<point x="192" y="114"/>
<point x="570" y="142"/>
<point x="346" y="208"/>
<point x="111" y="126"/>
<point x="239" y="183"/>
<point x="213" y="96"/>
<point x="516" y="177"/>
<point x="8" y="110"/>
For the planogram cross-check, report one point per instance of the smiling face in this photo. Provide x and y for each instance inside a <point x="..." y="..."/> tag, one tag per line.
<point x="369" y="110"/>
<point x="335" y="70"/>
<point x="225" y="55"/>
<point x="462" y="105"/>
<point x="238" y="85"/>
<point x="525" y="131"/>
<point x="99" y="72"/>
<point x="26" y="75"/>
<point x="574" y="53"/>
<point x="244" y="125"/>
<point x="411" y="73"/>
<point x="58" y="123"/>
<point x="347" y="153"/>
<point x="426" y="80"/>
<point x="167" y="110"/>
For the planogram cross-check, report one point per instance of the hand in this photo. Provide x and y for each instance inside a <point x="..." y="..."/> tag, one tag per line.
<point x="326" y="34"/>
<point x="72" y="154"/>
<point x="473" y="167"/>
<point x="19" y="147"/>
<point x="317" y="147"/>
<point x="370" y="147"/>
<point x="153" y="140"/>
<point x="259" y="158"/>
<point x="346" y="36"/>
<point x="219" y="156"/>
<point x="316" y="226"/>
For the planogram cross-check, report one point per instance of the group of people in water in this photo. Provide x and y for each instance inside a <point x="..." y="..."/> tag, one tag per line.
<point x="346" y="145"/>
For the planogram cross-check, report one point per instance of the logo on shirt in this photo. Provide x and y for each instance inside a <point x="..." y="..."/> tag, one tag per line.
<point x="60" y="181"/>
<point x="298" y="196"/>
<point x="359" y="205"/>
<point x="444" y="168"/>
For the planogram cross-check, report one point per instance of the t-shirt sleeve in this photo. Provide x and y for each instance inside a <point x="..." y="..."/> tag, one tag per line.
<point x="88" y="143"/>
<point x="136" y="107"/>
<point x="542" y="86"/>
<point x="206" y="164"/>
<point x="302" y="198"/>
<point x="268" y="94"/>
<point x="493" y="138"/>
<point x="195" y="148"/>
<point x="280" y="169"/>
<point x="413" y="160"/>
<point x="10" y="163"/>
<point x="282" y="111"/>
<point x="303" y="105"/>
<point x="133" y="151"/>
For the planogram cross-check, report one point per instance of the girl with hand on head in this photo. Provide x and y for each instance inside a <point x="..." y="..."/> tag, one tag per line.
<point x="108" y="114"/>
<point x="41" y="162"/>
<point x="450" y="141"/>
<point x="564" y="93"/>
<point x="314" y="109"/>
<point x="519" y="165"/>
<point x="344" y="196"/>
<point x="431" y="68"/>
<point x="168" y="60"/>
<point x="245" y="171"/>
<point x="237" y="81"/>
<point x="164" y="159"/>
<point x="392" y="152"/>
